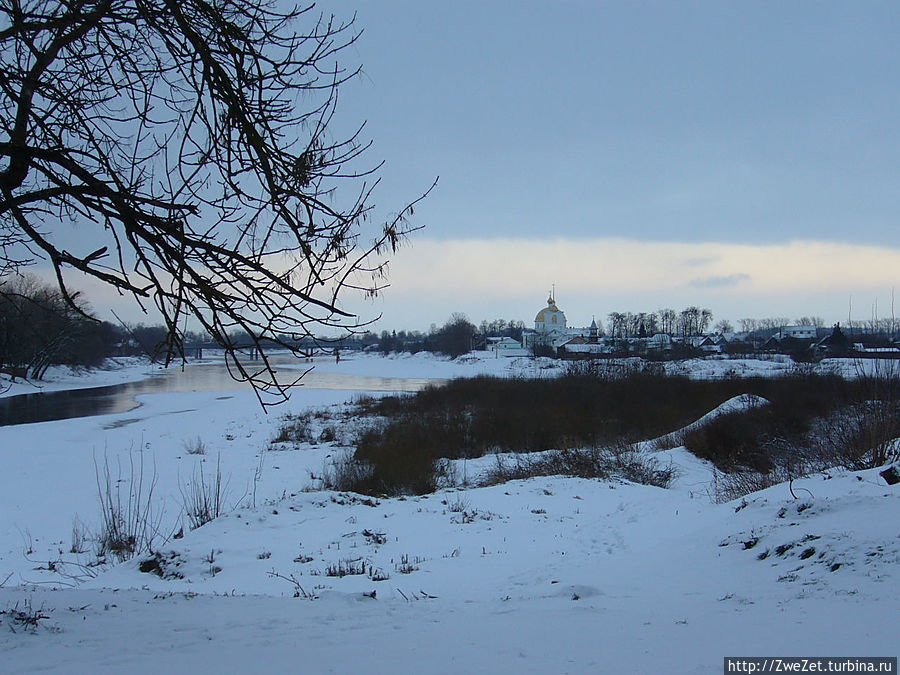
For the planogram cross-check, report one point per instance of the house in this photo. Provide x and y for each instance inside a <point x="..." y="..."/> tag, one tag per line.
<point x="504" y="346"/>
<point x="788" y="344"/>
<point x="704" y="343"/>
<point x="799" y="332"/>
<point x="580" y="346"/>
<point x="836" y="344"/>
<point x="661" y="342"/>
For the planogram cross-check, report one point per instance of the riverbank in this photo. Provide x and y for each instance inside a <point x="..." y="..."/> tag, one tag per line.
<point x="116" y="370"/>
<point x="122" y="369"/>
<point x="50" y="468"/>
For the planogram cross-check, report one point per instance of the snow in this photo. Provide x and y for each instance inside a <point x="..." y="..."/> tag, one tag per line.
<point x="58" y="378"/>
<point x="550" y="574"/>
<point x="425" y="364"/>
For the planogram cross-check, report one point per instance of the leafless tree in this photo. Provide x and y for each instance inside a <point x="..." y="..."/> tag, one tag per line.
<point x="773" y="322"/>
<point x="192" y="142"/>
<point x="617" y="324"/>
<point x="688" y="321"/>
<point x="694" y="320"/>
<point x="667" y="320"/>
<point x="724" y="326"/>
<point x="816" y="321"/>
<point x="454" y="338"/>
<point x="748" y="324"/>
<point x="39" y="329"/>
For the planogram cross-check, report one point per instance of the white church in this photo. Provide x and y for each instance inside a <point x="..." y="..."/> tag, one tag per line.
<point x="550" y="328"/>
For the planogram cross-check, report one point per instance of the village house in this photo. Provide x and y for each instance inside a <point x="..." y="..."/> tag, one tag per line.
<point x="504" y="346"/>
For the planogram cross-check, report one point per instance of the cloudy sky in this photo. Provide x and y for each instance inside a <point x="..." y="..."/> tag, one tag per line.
<point x="741" y="156"/>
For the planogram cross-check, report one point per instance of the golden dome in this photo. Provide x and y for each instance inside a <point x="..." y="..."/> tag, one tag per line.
<point x="551" y="307"/>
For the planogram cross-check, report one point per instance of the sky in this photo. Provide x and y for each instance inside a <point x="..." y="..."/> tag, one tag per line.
<point x="740" y="156"/>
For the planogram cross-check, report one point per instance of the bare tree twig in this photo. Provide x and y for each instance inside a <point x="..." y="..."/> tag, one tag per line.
<point x="195" y="140"/>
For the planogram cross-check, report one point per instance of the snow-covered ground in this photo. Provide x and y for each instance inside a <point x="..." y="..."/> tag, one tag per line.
<point x="58" y="378"/>
<point x="545" y="575"/>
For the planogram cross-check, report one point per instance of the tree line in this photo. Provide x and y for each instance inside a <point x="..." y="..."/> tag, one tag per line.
<point x="40" y="328"/>
<point x="455" y="337"/>
<point x="693" y="321"/>
<point x="688" y="322"/>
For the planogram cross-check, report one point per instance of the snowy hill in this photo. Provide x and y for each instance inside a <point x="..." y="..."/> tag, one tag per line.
<point x="543" y="575"/>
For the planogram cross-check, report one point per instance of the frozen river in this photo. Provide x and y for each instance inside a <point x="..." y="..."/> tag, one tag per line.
<point x="59" y="405"/>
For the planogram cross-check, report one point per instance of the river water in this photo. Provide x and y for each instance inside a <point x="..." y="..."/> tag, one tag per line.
<point x="119" y="398"/>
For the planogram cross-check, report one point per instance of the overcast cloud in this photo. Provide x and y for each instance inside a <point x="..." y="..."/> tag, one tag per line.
<point x="737" y="155"/>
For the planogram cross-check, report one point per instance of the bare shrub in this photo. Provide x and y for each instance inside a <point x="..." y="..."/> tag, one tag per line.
<point x="638" y="467"/>
<point x="863" y="433"/>
<point x="458" y="503"/>
<point x="377" y="574"/>
<point x="299" y="591"/>
<point x="364" y="402"/>
<point x="407" y="565"/>
<point x="203" y="500"/>
<point x="346" y="567"/>
<point x="729" y="486"/>
<point x="328" y="434"/>
<point x="400" y="460"/>
<point x="392" y="475"/>
<point x="26" y="617"/>
<point x="619" y="461"/>
<point x="871" y="437"/>
<point x="592" y="405"/>
<point x="813" y="421"/>
<point x="131" y="523"/>
<point x="581" y="422"/>
<point x="344" y="473"/>
<point x="296" y="428"/>
<point x="80" y="536"/>
<point x="195" y="446"/>
<point x="257" y="475"/>
<point x="863" y="436"/>
<point x="735" y="441"/>
<point x="472" y="417"/>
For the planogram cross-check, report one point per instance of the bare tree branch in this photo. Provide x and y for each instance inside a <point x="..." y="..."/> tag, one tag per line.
<point x="195" y="137"/>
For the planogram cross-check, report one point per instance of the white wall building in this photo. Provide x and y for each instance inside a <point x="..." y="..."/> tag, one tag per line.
<point x="550" y="328"/>
<point x="504" y="346"/>
<point x="799" y="332"/>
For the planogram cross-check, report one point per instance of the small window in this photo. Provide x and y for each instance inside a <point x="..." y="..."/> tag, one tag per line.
<point x="554" y="318"/>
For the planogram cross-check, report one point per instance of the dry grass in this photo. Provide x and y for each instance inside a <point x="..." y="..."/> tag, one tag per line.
<point x="130" y="518"/>
<point x="203" y="498"/>
<point x="616" y="461"/>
